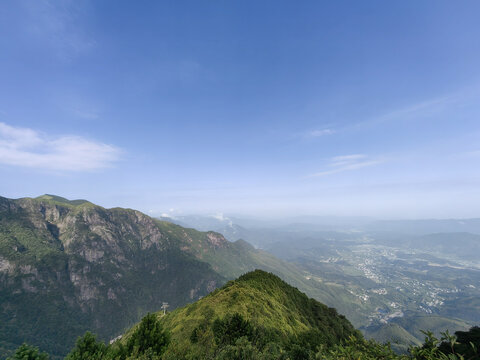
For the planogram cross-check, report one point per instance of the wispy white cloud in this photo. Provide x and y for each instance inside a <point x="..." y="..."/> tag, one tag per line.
<point x="421" y="109"/>
<point x="417" y="111"/>
<point x="339" y="164"/>
<point x="347" y="158"/>
<point x="320" y="132"/>
<point x="30" y="148"/>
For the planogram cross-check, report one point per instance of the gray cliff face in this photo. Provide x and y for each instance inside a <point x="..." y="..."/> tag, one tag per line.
<point x="82" y="267"/>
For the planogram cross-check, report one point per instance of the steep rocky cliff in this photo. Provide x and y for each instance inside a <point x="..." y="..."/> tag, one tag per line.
<point x="68" y="266"/>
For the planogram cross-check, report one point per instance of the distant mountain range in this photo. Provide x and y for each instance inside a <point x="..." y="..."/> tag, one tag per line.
<point x="454" y="237"/>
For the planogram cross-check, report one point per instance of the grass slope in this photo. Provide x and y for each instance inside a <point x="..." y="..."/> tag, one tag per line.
<point x="262" y="299"/>
<point x="265" y="300"/>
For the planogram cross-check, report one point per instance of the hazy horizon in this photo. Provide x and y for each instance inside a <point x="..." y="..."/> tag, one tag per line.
<point x="178" y="214"/>
<point x="257" y="109"/>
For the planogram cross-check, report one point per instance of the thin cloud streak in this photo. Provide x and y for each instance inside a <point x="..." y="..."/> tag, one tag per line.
<point x="352" y="157"/>
<point x="29" y="148"/>
<point x="319" y="133"/>
<point x="342" y="163"/>
<point x="417" y="111"/>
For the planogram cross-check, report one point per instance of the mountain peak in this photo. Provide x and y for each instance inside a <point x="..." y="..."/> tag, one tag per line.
<point x="62" y="200"/>
<point x="262" y="277"/>
<point x="265" y="300"/>
<point x="257" y="302"/>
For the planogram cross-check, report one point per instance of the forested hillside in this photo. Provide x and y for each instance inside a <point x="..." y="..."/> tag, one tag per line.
<point x="71" y="266"/>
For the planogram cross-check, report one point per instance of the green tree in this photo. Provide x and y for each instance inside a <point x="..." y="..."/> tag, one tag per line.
<point x="148" y="340"/>
<point x="231" y="328"/>
<point x="242" y="350"/>
<point x="28" y="352"/>
<point x="87" y="348"/>
<point x="466" y="343"/>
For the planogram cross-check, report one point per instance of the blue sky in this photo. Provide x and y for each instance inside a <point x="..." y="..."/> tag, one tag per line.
<point x="263" y="108"/>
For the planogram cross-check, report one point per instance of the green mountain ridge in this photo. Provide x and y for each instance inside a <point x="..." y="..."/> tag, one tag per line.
<point x="263" y="301"/>
<point x="61" y="200"/>
<point x="71" y="266"/>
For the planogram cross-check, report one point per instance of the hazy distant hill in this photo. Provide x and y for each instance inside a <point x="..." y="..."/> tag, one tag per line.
<point x="399" y="338"/>
<point x="221" y="224"/>
<point x="265" y="233"/>
<point x="427" y="226"/>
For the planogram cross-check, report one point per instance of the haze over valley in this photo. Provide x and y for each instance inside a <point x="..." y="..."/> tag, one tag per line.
<point x="412" y="274"/>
